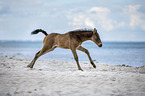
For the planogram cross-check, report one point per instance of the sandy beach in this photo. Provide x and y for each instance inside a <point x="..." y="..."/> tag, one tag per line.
<point x="61" y="78"/>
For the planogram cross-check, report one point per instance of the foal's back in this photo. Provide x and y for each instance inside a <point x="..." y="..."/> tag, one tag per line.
<point x="56" y="39"/>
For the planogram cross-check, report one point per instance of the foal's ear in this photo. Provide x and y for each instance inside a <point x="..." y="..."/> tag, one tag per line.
<point x="95" y="30"/>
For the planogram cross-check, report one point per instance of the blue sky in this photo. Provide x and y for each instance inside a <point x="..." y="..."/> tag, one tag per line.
<point x="116" y="20"/>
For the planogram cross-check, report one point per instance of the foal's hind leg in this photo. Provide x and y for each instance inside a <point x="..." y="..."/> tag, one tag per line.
<point x="38" y="54"/>
<point x="87" y="52"/>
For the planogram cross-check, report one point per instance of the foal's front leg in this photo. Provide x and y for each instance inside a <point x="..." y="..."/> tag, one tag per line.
<point x="76" y="59"/>
<point x="87" y="52"/>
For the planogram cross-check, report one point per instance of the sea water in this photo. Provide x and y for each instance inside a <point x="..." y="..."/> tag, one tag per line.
<point x="117" y="53"/>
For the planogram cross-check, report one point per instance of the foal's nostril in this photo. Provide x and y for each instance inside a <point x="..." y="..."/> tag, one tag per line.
<point x="100" y="45"/>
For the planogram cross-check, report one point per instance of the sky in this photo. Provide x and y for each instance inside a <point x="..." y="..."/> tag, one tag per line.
<point x="115" y="20"/>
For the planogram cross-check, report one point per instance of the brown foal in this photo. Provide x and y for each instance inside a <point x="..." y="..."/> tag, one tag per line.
<point x="71" y="40"/>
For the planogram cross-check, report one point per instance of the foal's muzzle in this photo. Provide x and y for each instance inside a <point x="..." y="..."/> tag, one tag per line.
<point x="100" y="45"/>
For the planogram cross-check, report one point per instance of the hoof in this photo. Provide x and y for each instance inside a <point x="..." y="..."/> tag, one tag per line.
<point x="94" y="66"/>
<point x="29" y="66"/>
<point x="81" y="69"/>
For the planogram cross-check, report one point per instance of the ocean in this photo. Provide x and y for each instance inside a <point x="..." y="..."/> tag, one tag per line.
<point x="116" y="53"/>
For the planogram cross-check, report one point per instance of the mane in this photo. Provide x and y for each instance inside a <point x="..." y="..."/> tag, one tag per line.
<point x="79" y="33"/>
<point x="82" y="30"/>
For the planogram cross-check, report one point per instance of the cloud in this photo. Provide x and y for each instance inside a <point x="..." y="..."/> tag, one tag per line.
<point x="119" y="24"/>
<point x="131" y="8"/>
<point x="104" y="22"/>
<point x="80" y="20"/>
<point x="135" y="16"/>
<point x="60" y="16"/>
<point x="89" y="23"/>
<point x="99" y="9"/>
<point x="136" y="21"/>
<point x="93" y="17"/>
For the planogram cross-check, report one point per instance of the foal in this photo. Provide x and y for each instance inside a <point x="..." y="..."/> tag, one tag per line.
<point x="71" y="40"/>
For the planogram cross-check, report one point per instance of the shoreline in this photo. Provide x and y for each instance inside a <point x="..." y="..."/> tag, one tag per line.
<point x="86" y="61"/>
<point x="62" y="78"/>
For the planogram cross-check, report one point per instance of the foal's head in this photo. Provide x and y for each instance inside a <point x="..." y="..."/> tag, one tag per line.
<point x="96" y="39"/>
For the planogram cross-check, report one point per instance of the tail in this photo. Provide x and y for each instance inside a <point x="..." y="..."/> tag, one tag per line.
<point x="39" y="30"/>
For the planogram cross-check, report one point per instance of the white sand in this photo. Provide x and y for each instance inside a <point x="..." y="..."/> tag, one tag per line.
<point x="61" y="78"/>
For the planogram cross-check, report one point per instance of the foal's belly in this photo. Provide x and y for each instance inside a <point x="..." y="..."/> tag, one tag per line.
<point x="63" y="41"/>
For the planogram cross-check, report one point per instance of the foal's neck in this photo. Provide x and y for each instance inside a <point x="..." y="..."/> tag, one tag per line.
<point x="86" y="36"/>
